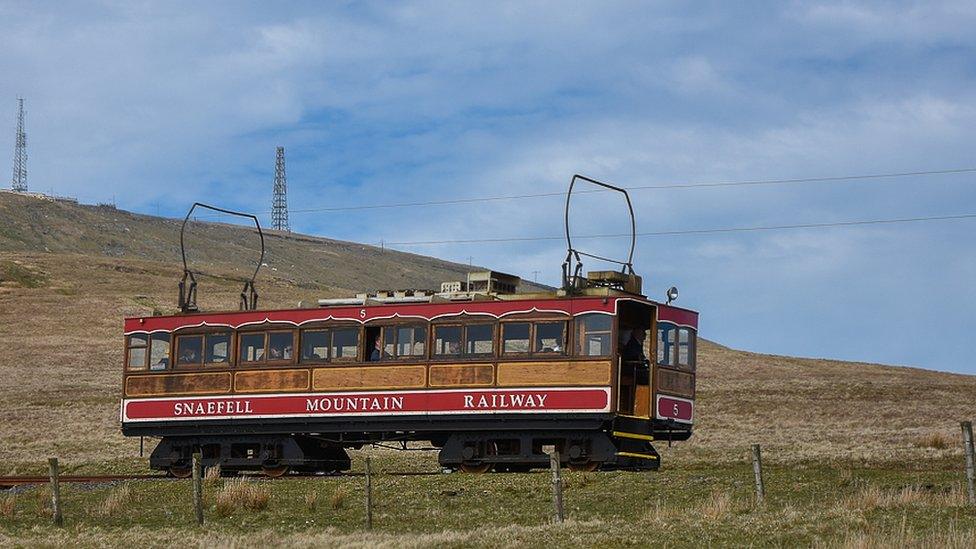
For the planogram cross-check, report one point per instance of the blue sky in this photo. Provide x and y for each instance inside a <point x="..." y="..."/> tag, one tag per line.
<point x="162" y="104"/>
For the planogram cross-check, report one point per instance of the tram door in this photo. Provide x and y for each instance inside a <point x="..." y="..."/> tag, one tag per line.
<point x="634" y="351"/>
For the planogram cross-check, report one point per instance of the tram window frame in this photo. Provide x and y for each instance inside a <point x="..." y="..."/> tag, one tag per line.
<point x="503" y="338"/>
<point x="415" y="328"/>
<point x="332" y="345"/>
<point x="667" y="350"/>
<point x="242" y="348"/>
<point x="143" y="346"/>
<point x="302" y="339"/>
<point x="283" y="360"/>
<point x="165" y="342"/>
<point x="435" y="354"/>
<point x="466" y="340"/>
<point x="536" y="340"/>
<point x="584" y="331"/>
<point x="208" y="348"/>
<point x="689" y="348"/>
<point x="183" y="340"/>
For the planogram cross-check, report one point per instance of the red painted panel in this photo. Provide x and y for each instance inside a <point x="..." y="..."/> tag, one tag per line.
<point x="678" y="316"/>
<point x="391" y="403"/>
<point x="677" y="409"/>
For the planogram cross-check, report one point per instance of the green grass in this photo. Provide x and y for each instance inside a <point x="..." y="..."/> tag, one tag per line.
<point x="20" y="275"/>
<point x="682" y="506"/>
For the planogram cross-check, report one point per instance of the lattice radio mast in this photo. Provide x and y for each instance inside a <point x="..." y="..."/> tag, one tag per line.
<point x="19" y="181"/>
<point x="279" y="206"/>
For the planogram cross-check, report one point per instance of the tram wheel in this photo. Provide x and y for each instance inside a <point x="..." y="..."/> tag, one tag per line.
<point x="476" y="469"/>
<point x="180" y="472"/>
<point x="275" y="472"/>
<point x="586" y="466"/>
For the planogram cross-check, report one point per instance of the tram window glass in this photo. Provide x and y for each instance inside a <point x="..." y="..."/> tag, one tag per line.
<point x="158" y="352"/>
<point x="280" y="345"/>
<point x="550" y="337"/>
<point x="315" y="345"/>
<point x="594" y="334"/>
<point x="666" y="344"/>
<point x="189" y="350"/>
<point x="138" y="347"/>
<point x="411" y="340"/>
<point x="686" y="348"/>
<point x="345" y="344"/>
<point x="479" y="340"/>
<point x="218" y="348"/>
<point x="447" y="340"/>
<point x="252" y="347"/>
<point x="515" y="337"/>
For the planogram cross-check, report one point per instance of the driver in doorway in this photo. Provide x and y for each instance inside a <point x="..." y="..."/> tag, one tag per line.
<point x="633" y="349"/>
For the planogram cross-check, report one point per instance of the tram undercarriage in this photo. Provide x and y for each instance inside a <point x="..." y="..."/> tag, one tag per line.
<point x="471" y="452"/>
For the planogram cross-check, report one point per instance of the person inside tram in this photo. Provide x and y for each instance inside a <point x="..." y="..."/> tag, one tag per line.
<point x="633" y="348"/>
<point x="189" y="356"/>
<point x="378" y="353"/>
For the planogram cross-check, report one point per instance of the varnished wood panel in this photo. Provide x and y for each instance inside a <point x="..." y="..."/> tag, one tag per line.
<point x="369" y="377"/>
<point x="177" y="384"/>
<point x="642" y="401"/>
<point x="513" y="374"/>
<point x="460" y="375"/>
<point x="271" y="380"/>
<point x="675" y="383"/>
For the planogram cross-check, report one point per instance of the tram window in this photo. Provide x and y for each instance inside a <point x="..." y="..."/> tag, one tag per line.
<point x="479" y="340"/>
<point x="686" y="348"/>
<point x="515" y="337"/>
<point x="218" y="348"/>
<point x="666" y="344"/>
<point x="280" y="345"/>
<point x="138" y="347"/>
<point x="447" y="340"/>
<point x="550" y="337"/>
<point x="345" y="344"/>
<point x="252" y="347"/>
<point x="189" y="350"/>
<point x="315" y="345"/>
<point x="158" y="352"/>
<point x="411" y="341"/>
<point x="594" y="334"/>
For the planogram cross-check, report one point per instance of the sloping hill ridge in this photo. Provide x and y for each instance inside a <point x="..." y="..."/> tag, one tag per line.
<point x="227" y="250"/>
<point x="69" y="274"/>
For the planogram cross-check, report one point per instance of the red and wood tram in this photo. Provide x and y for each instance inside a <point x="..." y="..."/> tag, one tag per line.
<point x="488" y="378"/>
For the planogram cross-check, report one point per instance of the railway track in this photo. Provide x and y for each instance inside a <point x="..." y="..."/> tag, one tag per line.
<point x="9" y="482"/>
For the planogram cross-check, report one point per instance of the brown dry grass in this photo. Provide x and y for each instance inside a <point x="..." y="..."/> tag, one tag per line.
<point x="311" y="500"/>
<point x="8" y="505"/>
<point x="338" y="498"/>
<point x="115" y="502"/>
<point x="870" y="498"/>
<point x="241" y="495"/>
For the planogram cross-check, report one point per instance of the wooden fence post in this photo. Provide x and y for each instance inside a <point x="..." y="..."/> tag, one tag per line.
<point x="198" y="487"/>
<point x="967" y="440"/>
<point x="55" y="492"/>
<point x="557" y="485"/>
<point x="369" y="495"/>
<point x="757" y="471"/>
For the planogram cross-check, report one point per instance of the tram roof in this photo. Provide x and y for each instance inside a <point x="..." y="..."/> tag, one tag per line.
<point x="428" y="311"/>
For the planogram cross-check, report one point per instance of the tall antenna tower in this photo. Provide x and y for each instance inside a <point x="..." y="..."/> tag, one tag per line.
<point x="19" y="181"/>
<point x="279" y="206"/>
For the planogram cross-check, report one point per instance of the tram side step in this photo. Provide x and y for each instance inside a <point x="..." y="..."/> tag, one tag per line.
<point x="638" y="427"/>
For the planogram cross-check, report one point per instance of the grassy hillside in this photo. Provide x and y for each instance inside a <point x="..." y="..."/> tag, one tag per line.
<point x="859" y="454"/>
<point x="331" y="267"/>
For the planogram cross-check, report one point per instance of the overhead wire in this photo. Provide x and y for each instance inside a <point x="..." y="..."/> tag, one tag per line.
<point x="759" y="228"/>
<point x="671" y="186"/>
